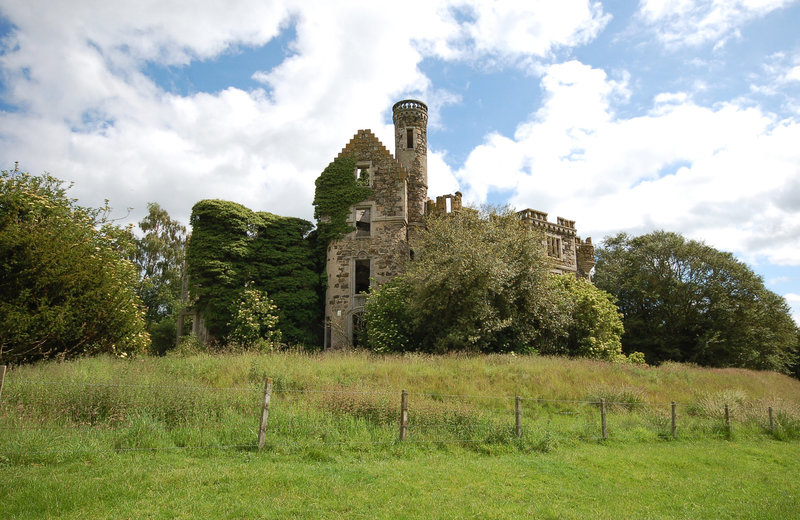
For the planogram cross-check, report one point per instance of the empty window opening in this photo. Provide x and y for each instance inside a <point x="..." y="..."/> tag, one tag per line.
<point x="327" y="333"/>
<point x="409" y="138"/>
<point x="448" y="205"/>
<point x="362" y="173"/>
<point x="363" y="222"/>
<point x="362" y="276"/>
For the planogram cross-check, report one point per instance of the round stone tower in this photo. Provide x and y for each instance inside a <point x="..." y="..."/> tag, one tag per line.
<point x="411" y="149"/>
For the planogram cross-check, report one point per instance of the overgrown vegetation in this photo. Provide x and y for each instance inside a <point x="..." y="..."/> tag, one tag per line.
<point x="349" y="403"/>
<point x="232" y="246"/>
<point x="65" y="286"/>
<point x="481" y="282"/>
<point x="254" y="323"/>
<point x="685" y="301"/>
<point x="336" y="191"/>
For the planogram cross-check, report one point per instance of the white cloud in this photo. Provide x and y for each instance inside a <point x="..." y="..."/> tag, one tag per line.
<point x="727" y="174"/>
<point x="532" y="27"/>
<point x="680" y="23"/>
<point x="89" y="113"/>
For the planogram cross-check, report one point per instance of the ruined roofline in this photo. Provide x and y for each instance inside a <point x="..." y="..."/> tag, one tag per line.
<point x="367" y="134"/>
<point x="538" y="219"/>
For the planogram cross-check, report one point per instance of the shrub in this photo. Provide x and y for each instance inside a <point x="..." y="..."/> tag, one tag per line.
<point x="254" y="321"/>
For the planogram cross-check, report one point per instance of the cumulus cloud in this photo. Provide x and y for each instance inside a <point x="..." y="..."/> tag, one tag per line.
<point x="726" y="174"/>
<point x="680" y="23"/>
<point x="86" y="110"/>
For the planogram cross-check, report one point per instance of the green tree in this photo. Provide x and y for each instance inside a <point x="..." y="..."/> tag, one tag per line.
<point x="480" y="282"/>
<point x="159" y="256"/>
<point x="65" y="287"/>
<point x="685" y="301"/>
<point x="217" y="256"/>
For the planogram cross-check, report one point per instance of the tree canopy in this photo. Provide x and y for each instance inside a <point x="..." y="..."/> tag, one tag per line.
<point x="66" y="288"/>
<point x="159" y="256"/>
<point x="685" y="301"/>
<point x="480" y="281"/>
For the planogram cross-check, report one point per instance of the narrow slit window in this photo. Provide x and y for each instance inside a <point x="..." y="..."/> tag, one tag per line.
<point x="362" y="276"/>
<point x="409" y="138"/>
<point x="363" y="222"/>
<point x="554" y="247"/>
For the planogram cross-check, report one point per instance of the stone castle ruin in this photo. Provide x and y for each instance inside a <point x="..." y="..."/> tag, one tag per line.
<point x="387" y="221"/>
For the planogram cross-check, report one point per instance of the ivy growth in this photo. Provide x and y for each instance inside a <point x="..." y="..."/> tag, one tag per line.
<point x="337" y="189"/>
<point x="232" y="246"/>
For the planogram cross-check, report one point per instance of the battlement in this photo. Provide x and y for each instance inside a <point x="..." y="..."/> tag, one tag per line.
<point x="410" y="104"/>
<point x="444" y="204"/>
<point x="538" y="219"/>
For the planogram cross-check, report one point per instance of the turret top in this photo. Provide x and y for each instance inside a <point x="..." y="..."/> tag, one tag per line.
<point x="410" y="104"/>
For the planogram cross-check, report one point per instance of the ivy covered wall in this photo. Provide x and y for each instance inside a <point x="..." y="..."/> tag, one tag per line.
<point x="232" y="245"/>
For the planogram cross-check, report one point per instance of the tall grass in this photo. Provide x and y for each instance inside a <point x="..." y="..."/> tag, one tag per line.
<point x="350" y="402"/>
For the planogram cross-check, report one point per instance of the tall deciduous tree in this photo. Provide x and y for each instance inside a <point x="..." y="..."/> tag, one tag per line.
<point x="685" y="301"/>
<point x="159" y="255"/>
<point x="65" y="287"/>
<point x="480" y="282"/>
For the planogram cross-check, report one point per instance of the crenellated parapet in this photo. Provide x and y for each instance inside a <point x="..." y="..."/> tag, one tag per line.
<point x="444" y="204"/>
<point x="538" y="219"/>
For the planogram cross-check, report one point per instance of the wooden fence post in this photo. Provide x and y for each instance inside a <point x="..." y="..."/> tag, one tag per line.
<point x="674" y="421"/>
<point x="603" y="417"/>
<point x="403" y="415"/>
<point x="262" y="430"/>
<point x="518" y="414"/>
<point x="727" y="419"/>
<point x="771" y="420"/>
<point x="2" y="378"/>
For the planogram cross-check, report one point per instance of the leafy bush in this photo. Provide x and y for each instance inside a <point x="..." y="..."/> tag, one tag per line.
<point x="480" y="281"/>
<point x="595" y="328"/>
<point x="386" y="317"/>
<point x="254" y="321"/>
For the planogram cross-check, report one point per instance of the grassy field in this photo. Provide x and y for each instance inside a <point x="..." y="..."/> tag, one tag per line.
<point x="174" y="437"/>
<point x="704" y="479"/>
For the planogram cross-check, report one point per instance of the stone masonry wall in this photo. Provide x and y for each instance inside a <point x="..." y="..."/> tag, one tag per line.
<point x="386" y="247"/>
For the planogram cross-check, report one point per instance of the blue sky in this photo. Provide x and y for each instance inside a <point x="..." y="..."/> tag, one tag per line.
<point x="624" y="116"/>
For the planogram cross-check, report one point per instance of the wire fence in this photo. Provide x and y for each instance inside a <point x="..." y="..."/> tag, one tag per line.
<point x="46" y="419"/>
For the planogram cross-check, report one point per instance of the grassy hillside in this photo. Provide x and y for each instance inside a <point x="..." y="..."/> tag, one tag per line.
<point x="174" y="437"/>
<point x="497" y="375"/>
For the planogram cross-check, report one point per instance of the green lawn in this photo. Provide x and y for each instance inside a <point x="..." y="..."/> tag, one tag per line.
<point x="703" y="479"/>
